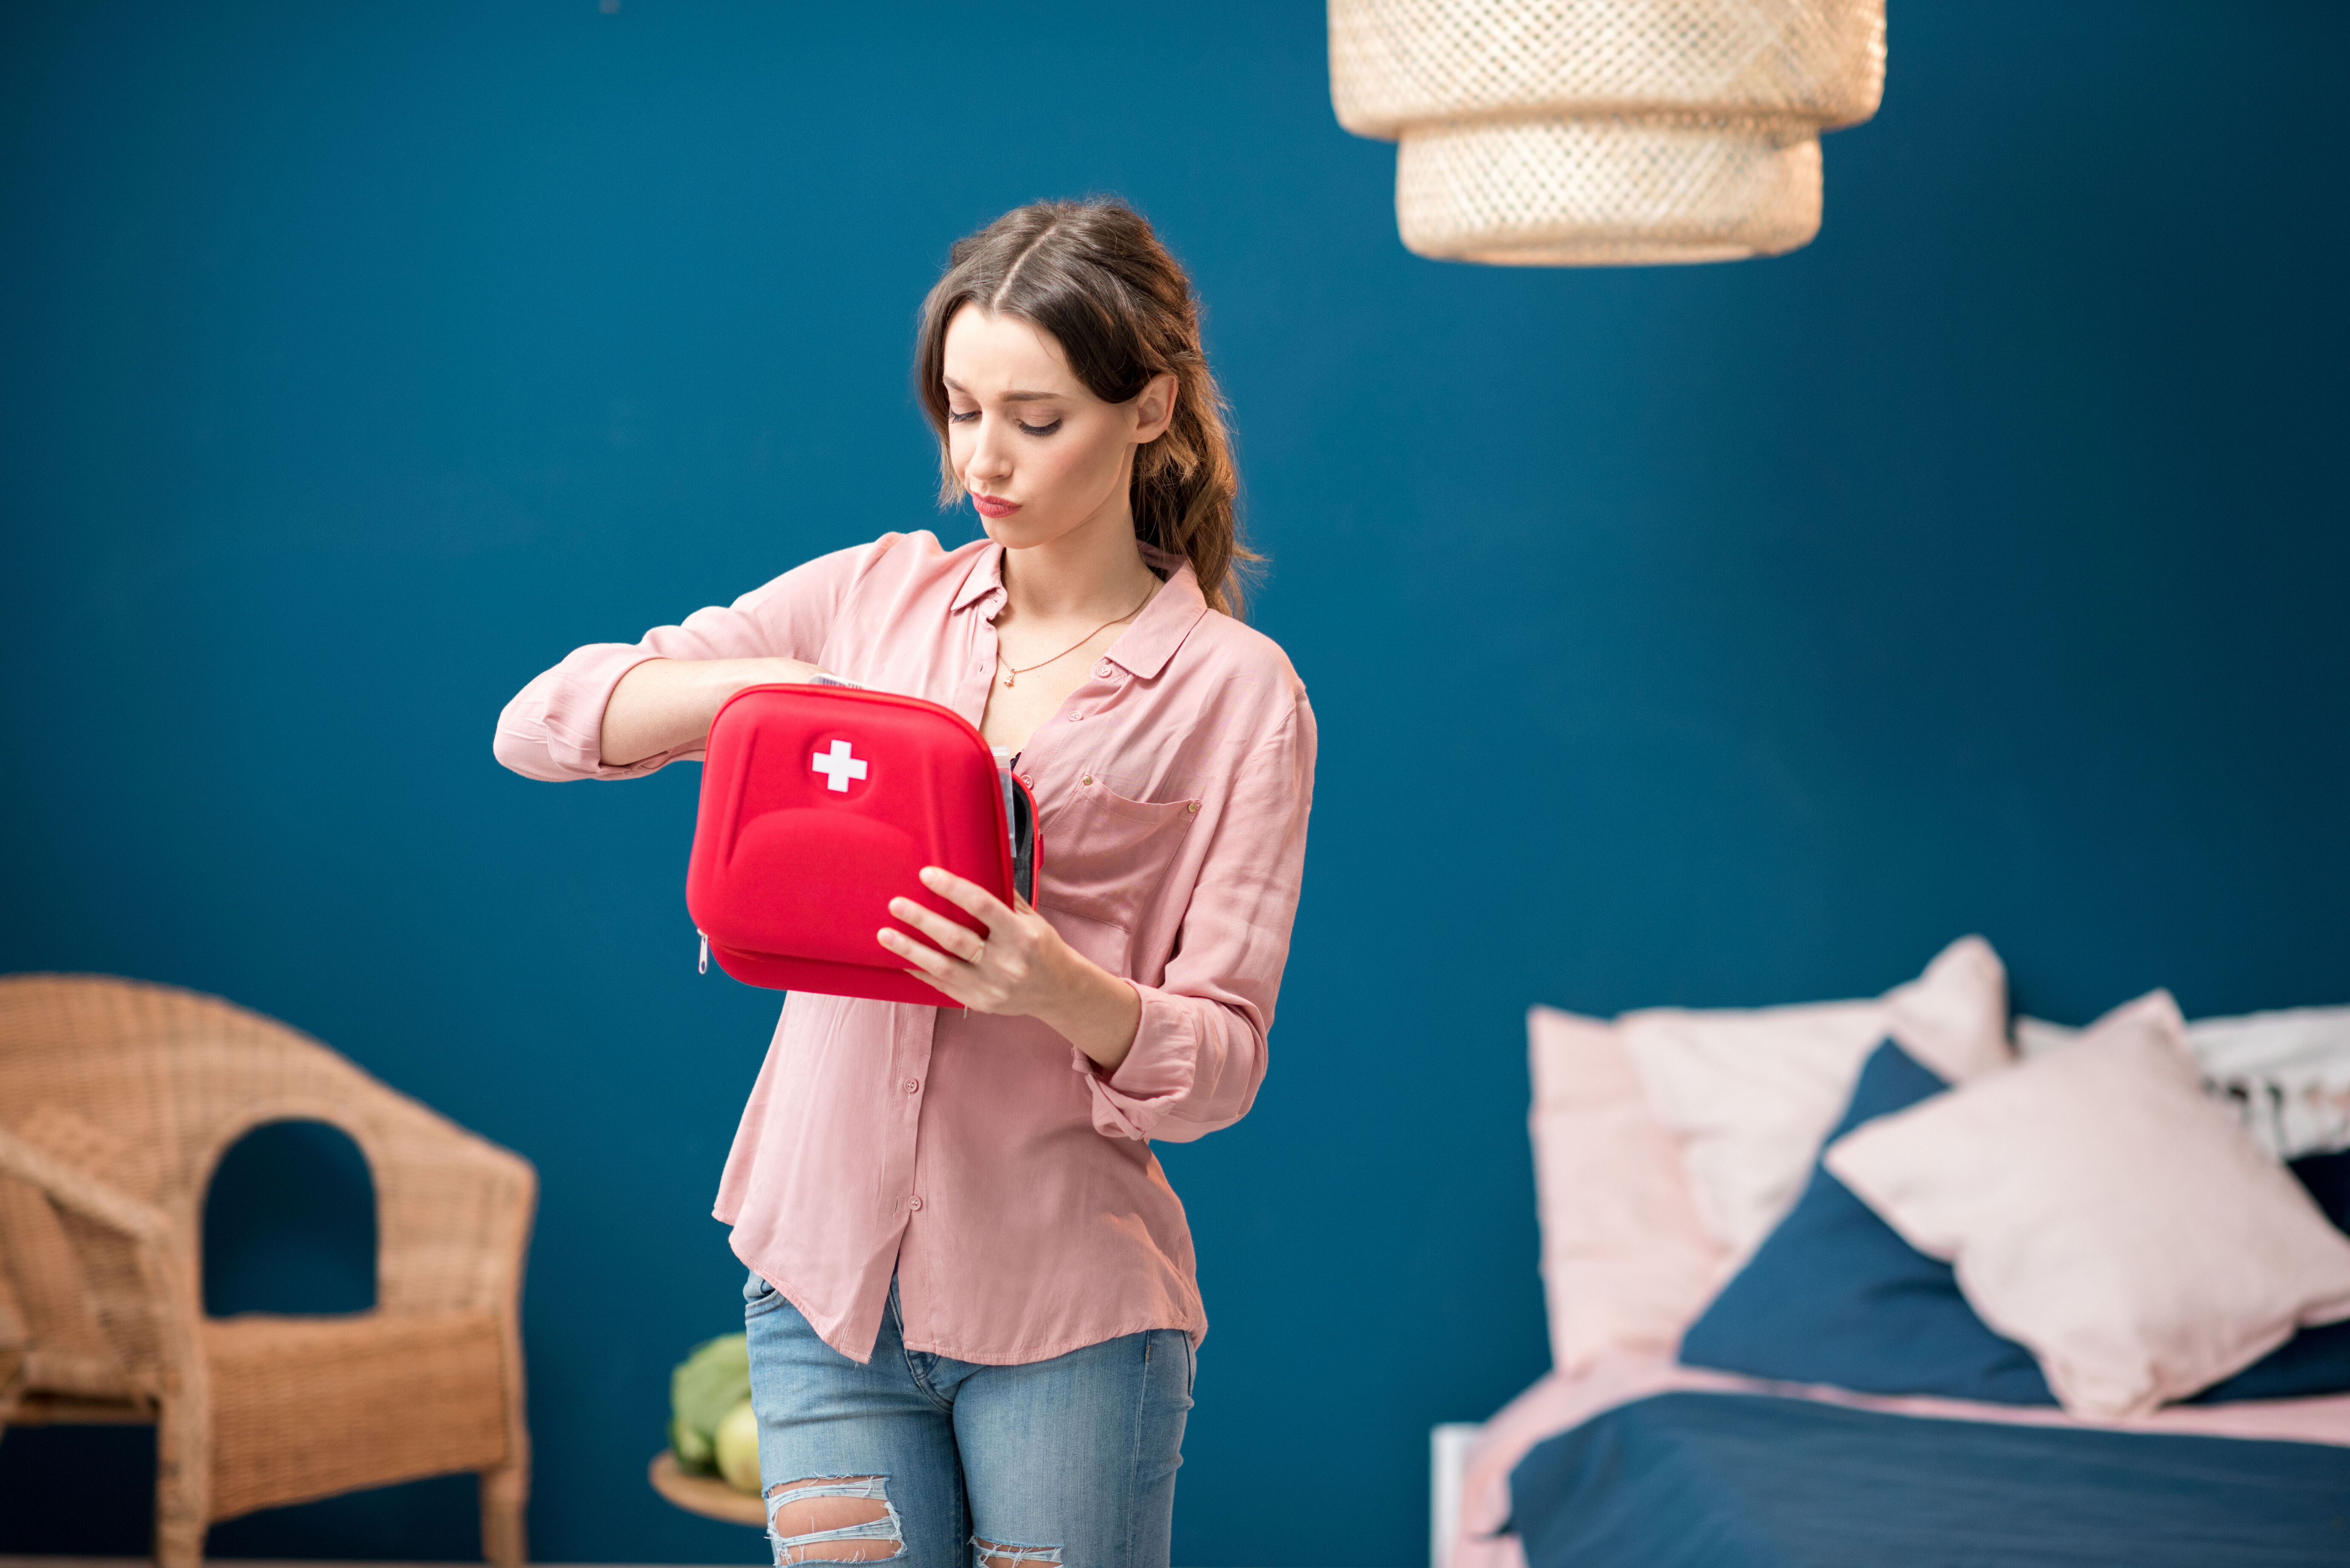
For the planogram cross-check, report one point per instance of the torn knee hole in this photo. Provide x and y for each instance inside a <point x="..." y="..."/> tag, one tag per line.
<point x="994" y="1555"/>
<point x="833" y="1519"/>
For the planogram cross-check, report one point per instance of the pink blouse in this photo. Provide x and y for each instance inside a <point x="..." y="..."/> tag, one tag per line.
<point x="1005" y="1181"/>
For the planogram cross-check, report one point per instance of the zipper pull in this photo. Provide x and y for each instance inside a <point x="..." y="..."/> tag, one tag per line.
<point x="704" y="968"/>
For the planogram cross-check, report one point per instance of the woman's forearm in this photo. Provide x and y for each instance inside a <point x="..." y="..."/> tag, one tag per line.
<point x="665" y="703"/>
<point x="1096" y="1011"/>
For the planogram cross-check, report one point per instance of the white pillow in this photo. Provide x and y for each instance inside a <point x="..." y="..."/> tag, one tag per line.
<point x="2286" y="1074"/>
<point x="2101" y="1211"/>
<point x="1749" y="1094"/>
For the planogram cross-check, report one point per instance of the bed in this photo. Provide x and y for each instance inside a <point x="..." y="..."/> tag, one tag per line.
<point x="1626" y="1454"/>
<point x="1636" y="1460"/>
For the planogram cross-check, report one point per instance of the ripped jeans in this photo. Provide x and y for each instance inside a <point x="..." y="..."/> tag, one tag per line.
<point x="929" y="1462"/>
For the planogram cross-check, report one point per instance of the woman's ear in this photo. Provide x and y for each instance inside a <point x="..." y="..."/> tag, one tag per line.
<point x="1154" y="408"/>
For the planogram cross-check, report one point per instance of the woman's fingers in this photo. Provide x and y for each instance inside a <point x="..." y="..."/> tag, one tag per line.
<point x="928" y="962"/>
<point x="958" y="940"/>
<point x="966" y="894"/>
<point x="922" y="955"/>
<point x="975" y="970"/>
<point x="950" y="979"/>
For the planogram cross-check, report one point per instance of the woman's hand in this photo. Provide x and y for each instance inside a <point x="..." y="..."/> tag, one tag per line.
<point x="665" y="703"/>
<point x="1020" y="967"/>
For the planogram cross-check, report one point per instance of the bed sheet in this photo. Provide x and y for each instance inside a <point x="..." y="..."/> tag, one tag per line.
<point x="1759" y="1480"/>
<point x="1563" y="1401"/>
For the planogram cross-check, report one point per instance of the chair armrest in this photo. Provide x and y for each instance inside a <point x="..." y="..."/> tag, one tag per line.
<point x="12" y="1353"/>
<point x="454" y="1215"/>
<point x="146" y="1267"/>
<point x="83" y="1193"/>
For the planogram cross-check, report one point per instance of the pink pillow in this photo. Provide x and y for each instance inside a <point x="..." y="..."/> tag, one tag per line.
<point x="2286" y="1074"/>
<point x="2101" y="1211"/>
<point x="1626" y="1262"/>
<point x="1749" y="1094"/>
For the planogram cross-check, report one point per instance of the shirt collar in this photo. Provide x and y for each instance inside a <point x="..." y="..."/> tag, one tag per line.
<point x="1144" y="647"/>
<point x="986" y="577"/>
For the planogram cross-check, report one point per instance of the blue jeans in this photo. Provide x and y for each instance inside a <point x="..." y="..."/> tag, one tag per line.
<point x="929" y="1462"/>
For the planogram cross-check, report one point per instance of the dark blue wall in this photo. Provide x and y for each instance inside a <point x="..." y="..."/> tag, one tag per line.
<point x="1732" y="634"/>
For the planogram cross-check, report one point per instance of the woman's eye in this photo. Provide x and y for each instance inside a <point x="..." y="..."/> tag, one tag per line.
<point x="962" y="418"/>
<point x="1027" y="428"/>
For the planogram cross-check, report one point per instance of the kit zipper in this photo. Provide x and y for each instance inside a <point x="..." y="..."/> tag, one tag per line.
<point x="705" y="951"/>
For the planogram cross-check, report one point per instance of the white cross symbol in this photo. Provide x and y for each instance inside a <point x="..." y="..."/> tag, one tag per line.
<point x="837" y="766"/>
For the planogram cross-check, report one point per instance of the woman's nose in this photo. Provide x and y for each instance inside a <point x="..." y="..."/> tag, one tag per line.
<point x="990" y="459"/>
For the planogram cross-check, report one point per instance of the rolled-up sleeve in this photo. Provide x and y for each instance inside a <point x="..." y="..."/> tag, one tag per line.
<point x="553" y="728"/>
<point x="1199" y="1053"/>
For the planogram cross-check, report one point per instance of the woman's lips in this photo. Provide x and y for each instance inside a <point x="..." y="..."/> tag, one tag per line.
<point x="993" y="506"/>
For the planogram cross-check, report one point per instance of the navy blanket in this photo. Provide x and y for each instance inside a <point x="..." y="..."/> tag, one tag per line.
<point x="1739" y="1480"/>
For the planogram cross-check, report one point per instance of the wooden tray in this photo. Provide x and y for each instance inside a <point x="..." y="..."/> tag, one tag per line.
<point x="704" y="1495"/>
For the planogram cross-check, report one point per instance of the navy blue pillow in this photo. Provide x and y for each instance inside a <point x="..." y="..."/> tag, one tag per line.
<point x="2327" y="1176"/>
<point x="1834" y="1295"/>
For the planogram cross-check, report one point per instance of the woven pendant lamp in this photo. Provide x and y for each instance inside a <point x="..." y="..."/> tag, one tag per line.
<point x="1605" y="133"/>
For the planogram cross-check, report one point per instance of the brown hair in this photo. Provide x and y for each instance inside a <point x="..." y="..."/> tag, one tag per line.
<point x="1094" y="276"/>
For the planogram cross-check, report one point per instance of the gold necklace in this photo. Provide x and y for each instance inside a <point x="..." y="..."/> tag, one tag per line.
<point x="1010" y="674"/>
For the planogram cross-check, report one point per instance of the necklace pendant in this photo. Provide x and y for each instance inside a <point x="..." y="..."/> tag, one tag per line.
<point x="1008" y="677"/>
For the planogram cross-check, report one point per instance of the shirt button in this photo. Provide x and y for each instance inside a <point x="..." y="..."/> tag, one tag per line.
<point x="1194" y="807"/>
<point x="913" y="1086"/>
<point x="1028" y="779"/>
<point x="914" y="1203"/>
<point x="1102" y="670"/>
<point x="1086" y="780"/>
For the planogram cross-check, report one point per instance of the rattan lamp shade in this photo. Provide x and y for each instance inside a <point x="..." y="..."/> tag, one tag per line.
<point x="1605" y="133"/>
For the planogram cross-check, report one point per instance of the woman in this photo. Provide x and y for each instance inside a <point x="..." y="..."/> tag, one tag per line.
<point x="973" y="1309"/>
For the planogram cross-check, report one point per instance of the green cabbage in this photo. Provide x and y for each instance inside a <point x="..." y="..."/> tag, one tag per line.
<point x="702" y="1392"/>
<point x="738" y="1449"/>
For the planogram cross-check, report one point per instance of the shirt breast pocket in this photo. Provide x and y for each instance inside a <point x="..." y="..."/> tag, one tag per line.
<point x="1106" y="856"/>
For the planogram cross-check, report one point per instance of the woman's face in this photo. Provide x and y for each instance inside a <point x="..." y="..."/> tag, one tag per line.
<point x="1041" y="455"/>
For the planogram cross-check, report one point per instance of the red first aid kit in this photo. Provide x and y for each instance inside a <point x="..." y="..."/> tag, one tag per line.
<point x="821" y="804"/>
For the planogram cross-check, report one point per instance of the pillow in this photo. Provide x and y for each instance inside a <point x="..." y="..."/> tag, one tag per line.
<point x="2100" y="1209"/>
<point x="1834" y="1295"/>
<point x="1749" y="1093"/>
<point x="1624" y="1259"/>
<point x="2316" y="1360"/>
<point x="2286" y="1074"/>
<point x="2327" y="1178"/>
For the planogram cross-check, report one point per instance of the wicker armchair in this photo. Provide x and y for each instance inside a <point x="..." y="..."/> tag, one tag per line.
<point x="117" y="1100"/>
